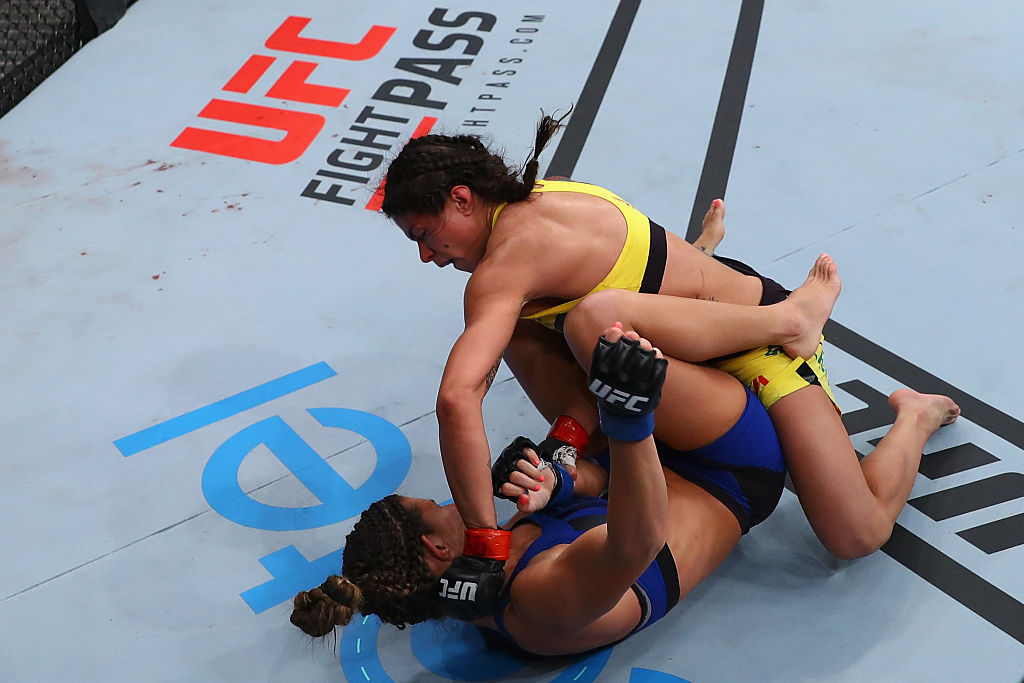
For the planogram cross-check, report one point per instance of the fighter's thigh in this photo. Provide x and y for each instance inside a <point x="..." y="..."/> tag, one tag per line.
<point x="698" y="405"/>
<point x="701" y="531"/>
<point x="664" y="320"/>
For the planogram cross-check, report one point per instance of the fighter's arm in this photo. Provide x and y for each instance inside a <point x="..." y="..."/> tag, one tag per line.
<point x="490" y="318"/>
<point x="503" y="282"/>
<point x="574" y="599"/>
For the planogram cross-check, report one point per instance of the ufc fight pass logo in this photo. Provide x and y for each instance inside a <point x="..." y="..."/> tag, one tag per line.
<point x="612" y="396"/>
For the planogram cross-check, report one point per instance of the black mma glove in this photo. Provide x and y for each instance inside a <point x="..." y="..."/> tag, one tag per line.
<point x="627" y="381"/>
<point x="471" y="587"/>
<point x="508" y="462"/>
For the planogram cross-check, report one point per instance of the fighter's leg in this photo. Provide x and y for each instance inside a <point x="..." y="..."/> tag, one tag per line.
<point x="553" y="381"/>
<point x="712" y="228"/>
<point x="852" y="506"/>
<point x="698" y="404"/>
<point x="695" y="330"/>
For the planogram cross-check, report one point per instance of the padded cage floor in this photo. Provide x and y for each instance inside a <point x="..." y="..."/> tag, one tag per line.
<point x="215" y="352"/>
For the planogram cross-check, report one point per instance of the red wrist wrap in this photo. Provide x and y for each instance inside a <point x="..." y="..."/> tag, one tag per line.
<point x="571" y="432"/>
<point x="492" y="544"/>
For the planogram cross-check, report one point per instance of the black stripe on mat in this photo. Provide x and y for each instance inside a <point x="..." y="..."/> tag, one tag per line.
<point x="974" y="592"/>
<point x="990" y="603"/>
<point x="726" y="130"/>
<point x="563" y="162"/>
<point x="957" y="581"/>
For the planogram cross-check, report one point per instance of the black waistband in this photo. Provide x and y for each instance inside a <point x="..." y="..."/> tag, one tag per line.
<point x="654" y="273"/>
<point x="667" y="566"/>
<point x="771" y="291"/>
<point x="656" y="257"/>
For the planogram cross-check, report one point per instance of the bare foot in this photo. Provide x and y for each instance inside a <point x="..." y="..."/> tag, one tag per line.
<point x="813" y="302"/>
<point x="712" y="228"/>
<point x="934" y="410"/>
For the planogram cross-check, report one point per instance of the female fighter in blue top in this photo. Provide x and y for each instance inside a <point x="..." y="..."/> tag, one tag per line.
<point x="584" y="571"/>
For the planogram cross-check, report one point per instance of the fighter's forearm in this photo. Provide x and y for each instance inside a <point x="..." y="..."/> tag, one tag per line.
<point x="591" y="478"/>
<point x="637" y="498"/>
<point x="466" y="458"/>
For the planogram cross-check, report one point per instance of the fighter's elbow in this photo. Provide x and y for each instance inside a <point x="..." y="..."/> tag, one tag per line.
<point x="452" y="400"/>
<point x="640" y="549"/>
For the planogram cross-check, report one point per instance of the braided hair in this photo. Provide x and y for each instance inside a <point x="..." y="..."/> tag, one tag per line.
<point x="383" y="573"/>
<point x="424" y="172"/>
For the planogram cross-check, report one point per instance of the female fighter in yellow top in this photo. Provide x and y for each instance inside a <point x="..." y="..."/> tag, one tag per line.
<point x="536" y="248"/>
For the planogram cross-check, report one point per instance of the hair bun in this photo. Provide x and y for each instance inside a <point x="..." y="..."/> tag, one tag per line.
<point x="332" y="604"/>
<point x="342" y="591"/>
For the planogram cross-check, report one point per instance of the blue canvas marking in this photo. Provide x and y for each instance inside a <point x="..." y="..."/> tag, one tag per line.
<point x="457" y="651"/>
<point x="292" y="573"/>
<point x="360" y="659"/>
<point x="225" y="408"/>
<point x="363" y="664"/>
<point x="338" y="500"/>
<point x="586" y="670"/>
<point x="638" y="675"/>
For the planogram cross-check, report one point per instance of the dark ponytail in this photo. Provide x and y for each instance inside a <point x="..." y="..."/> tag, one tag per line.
<point x="424" y="172"/>
<point x="546" y="130"/>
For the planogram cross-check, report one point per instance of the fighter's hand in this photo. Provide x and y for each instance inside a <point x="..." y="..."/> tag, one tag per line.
<point x="615" y="333"/>
<point x="538" y="483"/>
<point x="521" y="476"/>
<point x="471" y="586"/>
<point x="626" y="375"/>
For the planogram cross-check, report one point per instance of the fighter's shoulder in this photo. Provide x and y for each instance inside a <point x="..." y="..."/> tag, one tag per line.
<point x="523" y="235"/>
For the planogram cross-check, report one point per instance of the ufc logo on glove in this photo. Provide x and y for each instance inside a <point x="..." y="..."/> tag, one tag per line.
<point x="458" y="590"/>
<point x="613" y="396"/>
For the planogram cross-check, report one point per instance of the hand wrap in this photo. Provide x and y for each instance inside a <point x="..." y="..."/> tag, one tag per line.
<point x="471" y="586"/>
<point x="627" y="381"/>
<point x="565" y="443"/>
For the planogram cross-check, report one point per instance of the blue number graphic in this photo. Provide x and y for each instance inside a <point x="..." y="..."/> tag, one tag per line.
<point x="338" y="500"/>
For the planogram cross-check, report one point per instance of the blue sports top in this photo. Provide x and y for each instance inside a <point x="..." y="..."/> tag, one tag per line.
<point x="657" y="588"/>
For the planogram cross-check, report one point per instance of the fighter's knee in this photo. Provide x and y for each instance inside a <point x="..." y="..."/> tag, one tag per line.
<point x="601" y="308"/>
<point x="595" y="313"/>
<point x="853" y="546"/>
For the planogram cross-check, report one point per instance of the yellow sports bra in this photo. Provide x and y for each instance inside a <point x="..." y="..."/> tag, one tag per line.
<point x="641" y="263"/>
